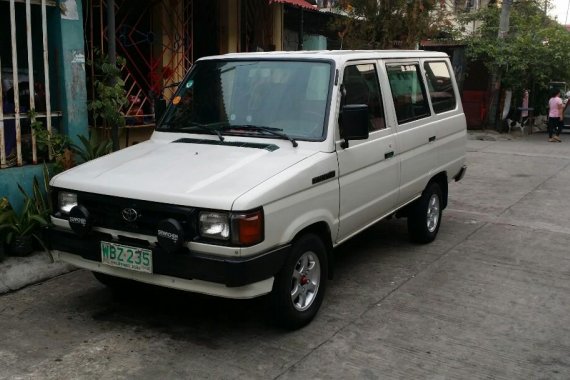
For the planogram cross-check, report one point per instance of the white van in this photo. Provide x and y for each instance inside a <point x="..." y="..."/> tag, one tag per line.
<point x="262" y="164"/>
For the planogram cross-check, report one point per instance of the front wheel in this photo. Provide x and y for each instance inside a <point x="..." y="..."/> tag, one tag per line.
<point x="425" y="215"/>
<point x="300" y="286"/>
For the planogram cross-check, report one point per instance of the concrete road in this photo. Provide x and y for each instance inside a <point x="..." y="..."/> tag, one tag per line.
<point x="489" y="299"/>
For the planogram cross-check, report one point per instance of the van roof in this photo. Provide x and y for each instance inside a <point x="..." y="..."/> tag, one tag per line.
<point x="336" y="55"/>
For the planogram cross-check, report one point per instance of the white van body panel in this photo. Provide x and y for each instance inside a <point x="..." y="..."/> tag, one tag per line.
<point x="293" y="202"/>
<point x="162" y="170"/>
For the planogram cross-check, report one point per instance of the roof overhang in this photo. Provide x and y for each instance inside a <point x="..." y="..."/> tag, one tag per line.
<point x="297" y="3"/>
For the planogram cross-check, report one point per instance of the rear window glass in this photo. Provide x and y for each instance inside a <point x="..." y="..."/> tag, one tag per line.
<point x="440" y="86"/>
<point x="408" y="92"/>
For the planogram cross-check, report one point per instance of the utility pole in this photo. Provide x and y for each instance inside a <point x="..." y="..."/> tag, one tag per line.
<point x="496" y="74"/>
<point x="301" y="36"/>
<point x="113" y="61"/>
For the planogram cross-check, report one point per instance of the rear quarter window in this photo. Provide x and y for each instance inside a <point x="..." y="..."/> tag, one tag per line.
<point x="440" y="86"/>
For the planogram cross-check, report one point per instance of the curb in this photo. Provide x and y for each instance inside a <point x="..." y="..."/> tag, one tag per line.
<point x="18" y="272"/>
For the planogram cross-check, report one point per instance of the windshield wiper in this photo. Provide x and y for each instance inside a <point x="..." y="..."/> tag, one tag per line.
<point x="203" y="127"/>
<point x="259" y="128"/>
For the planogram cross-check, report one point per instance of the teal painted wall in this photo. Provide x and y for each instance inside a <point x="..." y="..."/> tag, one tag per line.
<point x="11" y="177"/>
<point x="69" y="54"/>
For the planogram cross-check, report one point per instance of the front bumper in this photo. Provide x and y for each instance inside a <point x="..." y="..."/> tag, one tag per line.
<point x="187" y="265"/>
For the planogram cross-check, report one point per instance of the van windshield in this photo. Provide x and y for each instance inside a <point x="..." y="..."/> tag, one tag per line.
<point x="252" y="98"/>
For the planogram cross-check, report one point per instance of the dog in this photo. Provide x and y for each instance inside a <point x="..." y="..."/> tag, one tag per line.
<point x="517" y="124"/>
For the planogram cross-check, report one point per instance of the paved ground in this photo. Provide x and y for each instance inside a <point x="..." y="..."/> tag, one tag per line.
<point x="489" y="299"/>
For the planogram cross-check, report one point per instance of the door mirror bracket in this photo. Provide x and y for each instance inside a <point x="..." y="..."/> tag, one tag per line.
<point x="353" y="123"/>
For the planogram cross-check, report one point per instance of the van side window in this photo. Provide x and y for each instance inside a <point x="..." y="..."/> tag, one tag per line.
<point x="440" y="86"/>
<point x="408" y="92"/>
<point x="360" y="83"/>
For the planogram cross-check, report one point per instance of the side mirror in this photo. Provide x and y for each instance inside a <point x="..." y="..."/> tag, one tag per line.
<point x="353" y="123"/>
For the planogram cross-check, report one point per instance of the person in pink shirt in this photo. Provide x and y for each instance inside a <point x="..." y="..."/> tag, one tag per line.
<point x="555" y="117"/>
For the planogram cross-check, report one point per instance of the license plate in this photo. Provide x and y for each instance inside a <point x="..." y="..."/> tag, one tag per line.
<point x="127" y="257"/>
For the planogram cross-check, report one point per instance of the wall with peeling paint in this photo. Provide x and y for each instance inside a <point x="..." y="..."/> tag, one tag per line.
<point x="71" y="71"/>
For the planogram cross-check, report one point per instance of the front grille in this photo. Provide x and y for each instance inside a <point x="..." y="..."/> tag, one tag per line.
<point x="107" y="212"/>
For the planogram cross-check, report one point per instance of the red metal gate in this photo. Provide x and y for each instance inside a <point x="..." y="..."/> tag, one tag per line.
<point x="155" y="38"/>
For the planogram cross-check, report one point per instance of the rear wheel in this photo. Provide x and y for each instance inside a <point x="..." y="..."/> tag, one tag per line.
<point x="300" y="286"/>
<point x="425" y="215"/>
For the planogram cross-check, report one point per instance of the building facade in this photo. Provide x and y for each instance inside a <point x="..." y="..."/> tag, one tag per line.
<point x="47" y="47"/>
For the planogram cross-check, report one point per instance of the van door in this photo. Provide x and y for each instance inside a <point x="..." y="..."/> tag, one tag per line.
<point x="368" y="169"/>
<point x="416" y="128"/>
<point x="446" y="109"/>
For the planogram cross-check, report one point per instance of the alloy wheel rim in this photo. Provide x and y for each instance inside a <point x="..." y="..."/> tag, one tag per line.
<point x="305" y="281"/>
<point x="433" y="213"/>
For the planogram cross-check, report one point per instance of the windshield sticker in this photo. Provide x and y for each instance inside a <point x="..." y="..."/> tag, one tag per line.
<point x="176" y="100"/>
<point x="189" y="83"/>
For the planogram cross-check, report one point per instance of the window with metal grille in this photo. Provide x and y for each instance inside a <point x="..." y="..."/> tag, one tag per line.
<point x="25" y="87"/>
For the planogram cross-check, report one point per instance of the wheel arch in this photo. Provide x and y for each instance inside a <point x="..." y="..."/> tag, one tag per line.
<point x="323" y="231"/>
<point x="441" y="180"/>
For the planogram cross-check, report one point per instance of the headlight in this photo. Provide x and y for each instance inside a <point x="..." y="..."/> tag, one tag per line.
<point x="66" y="201"/>
<point x="241" y="228"/>
<point x="215" y="225"/>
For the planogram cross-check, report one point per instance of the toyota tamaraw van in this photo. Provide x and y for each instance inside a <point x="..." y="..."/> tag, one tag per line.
<point x="261" y="165"/>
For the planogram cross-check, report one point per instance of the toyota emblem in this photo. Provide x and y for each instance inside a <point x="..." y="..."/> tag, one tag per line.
<point x="130" y="214"/>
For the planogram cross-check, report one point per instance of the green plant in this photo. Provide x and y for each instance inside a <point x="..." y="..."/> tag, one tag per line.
<point x="92" y="147"/>
<point x="56" y="144"/>
<point x="40" y="203"/>
<point x="21" y="227"/>
<point x="110" y="94"/>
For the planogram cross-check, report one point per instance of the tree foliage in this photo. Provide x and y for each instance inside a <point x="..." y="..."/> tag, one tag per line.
<point x="374" y="24"/>
<point x="535" y="50"/>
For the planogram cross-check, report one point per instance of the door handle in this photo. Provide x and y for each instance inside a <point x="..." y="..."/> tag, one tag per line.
<point x="431" y="139"/>
<point x="389" y="155"/>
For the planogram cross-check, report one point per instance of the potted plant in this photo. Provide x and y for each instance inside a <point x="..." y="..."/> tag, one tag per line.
<point x="21" y="228"/>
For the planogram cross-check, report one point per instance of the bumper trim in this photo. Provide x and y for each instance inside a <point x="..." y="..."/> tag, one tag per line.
<point x="186" y="265"/>
<point x="197" y="286"/>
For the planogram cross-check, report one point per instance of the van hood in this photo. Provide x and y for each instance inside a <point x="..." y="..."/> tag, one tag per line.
<point x="193" y="172"/>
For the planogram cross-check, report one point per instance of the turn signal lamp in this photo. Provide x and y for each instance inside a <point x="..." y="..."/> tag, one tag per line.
<point x="247" y="228"/>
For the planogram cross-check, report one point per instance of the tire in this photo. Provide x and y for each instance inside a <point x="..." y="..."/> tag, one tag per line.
<point x="299" y="287"/>
<point x="425" y="215"/>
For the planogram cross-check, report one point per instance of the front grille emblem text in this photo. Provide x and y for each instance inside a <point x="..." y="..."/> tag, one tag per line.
<point x="130" y="214"/>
